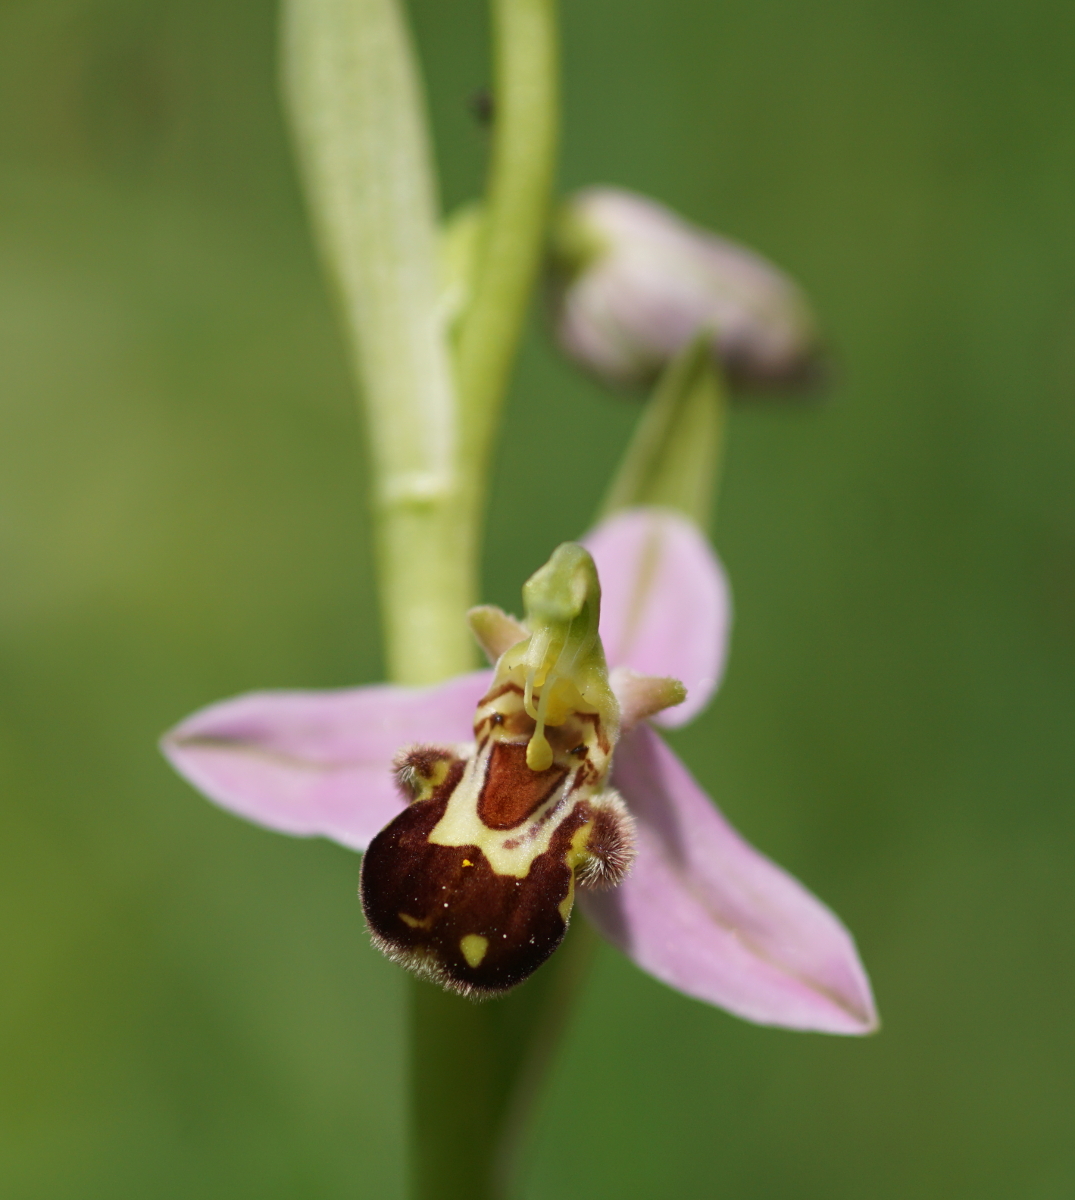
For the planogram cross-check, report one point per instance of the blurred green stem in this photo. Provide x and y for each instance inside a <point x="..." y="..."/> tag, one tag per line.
<point x="526" y="112"/>
<point x="674" y="458"/>
<point x="355" y="100"/>
<point x="478" y="1071"/>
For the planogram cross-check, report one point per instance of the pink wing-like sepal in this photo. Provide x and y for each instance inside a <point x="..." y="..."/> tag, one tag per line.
<point x="314" y="763"/>
<point x="665" y="602"/>
<point x="708" y="914"/>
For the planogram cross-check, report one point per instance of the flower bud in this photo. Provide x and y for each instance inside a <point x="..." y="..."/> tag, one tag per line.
<point x="634" y="283"/>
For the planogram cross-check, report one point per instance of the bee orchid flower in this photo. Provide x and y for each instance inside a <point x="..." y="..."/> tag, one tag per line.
<point x="484" y="802"/>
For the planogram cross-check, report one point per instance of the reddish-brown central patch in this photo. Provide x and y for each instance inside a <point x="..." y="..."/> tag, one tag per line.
<point x="511" y="791"/>
<point x="422" y="900"/>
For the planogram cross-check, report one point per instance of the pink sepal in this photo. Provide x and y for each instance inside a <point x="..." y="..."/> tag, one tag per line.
<point x="665" y="602"/>
<point x="318" y="762"/>
<point x="706" y="913"/>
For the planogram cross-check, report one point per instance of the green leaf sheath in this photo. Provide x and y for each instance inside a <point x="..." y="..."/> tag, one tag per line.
<point x="356" y="106"/>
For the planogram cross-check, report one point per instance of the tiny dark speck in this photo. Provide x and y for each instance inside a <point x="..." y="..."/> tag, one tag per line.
<point x="482" y="106"/>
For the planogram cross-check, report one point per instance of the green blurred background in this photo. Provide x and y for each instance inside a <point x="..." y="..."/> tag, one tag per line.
<point x="189" y="1004"/>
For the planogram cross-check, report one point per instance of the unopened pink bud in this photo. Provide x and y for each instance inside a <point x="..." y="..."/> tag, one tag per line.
<point x="636" y="282"/>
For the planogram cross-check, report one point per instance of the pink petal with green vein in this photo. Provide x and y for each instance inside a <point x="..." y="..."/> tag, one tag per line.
<point x="318" y="763"/>
<point x="706" y="913"/>
<point x="665" y="602"/>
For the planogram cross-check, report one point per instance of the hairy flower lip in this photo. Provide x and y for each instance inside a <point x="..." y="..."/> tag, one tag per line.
<point x="705" y="913"/>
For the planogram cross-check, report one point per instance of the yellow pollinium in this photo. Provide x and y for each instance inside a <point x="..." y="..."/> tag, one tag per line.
<point x="558" y="700"/>
<point x="539" y="754"/>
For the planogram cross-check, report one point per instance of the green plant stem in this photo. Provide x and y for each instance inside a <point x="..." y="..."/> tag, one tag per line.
<point x="515" y="216"/>
<point x="674" y="458"/>
<point x="479" y="1069"/>
<point x="356" y="106"/>
<point x="544" y="1019"/>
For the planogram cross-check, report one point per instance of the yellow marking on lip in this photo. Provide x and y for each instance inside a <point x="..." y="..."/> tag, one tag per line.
<point x="576" y="855"/>
<point x="467" y="862"/>
<point x="577" y="852"/>
<point x="414" y="922"/>
<point x="568" y="902"/>
<point x="474" y="947"/>
<point x="424" y="782"/>
<point x="438" y="775"/>
<point x="508" y="852"/>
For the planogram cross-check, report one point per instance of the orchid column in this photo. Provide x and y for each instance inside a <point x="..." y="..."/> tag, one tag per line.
<point x="432" y="382"/>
